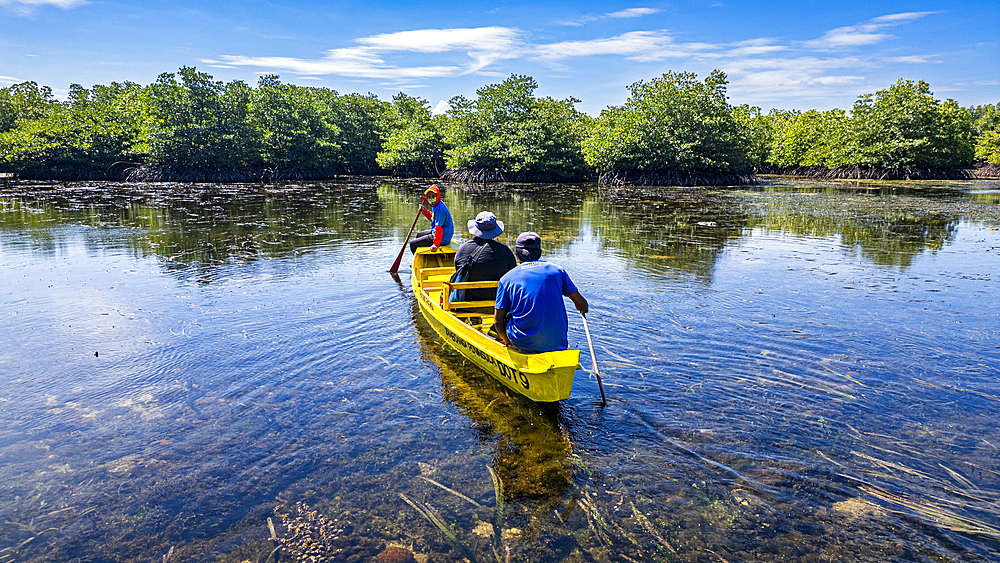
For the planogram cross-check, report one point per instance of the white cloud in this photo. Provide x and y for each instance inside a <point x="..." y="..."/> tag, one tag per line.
<point x="914" y="59"/>
<point x="762" y="68"/>
<point x="905" y="16"/>
<point x="853" y="36"/>
<point x="342" y="62"/>
<point x="828" y="80"/>
<point x="10" y="80"/>
<point x="442" y="107"/>
<point x="480" y="39"/>
<point x="632" y="13"/>
<point x="761" y="46"/>
<point x="483" y="46"/>
<point x="642" y="46"/>
<point x="27" y="7"/>
<point x="867" y="33"/>
<point x="620" y="14"/>
<point x="765" y="79"/>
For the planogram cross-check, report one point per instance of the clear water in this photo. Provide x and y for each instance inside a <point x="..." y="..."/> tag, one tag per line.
<point x="797" y="371"/>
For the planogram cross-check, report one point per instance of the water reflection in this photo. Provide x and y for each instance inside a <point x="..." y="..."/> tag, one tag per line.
<point x="795" y="371"/>
<point x="202" y="227"/>
<point x="674" y="232"/>
<point x="529" y="450"/>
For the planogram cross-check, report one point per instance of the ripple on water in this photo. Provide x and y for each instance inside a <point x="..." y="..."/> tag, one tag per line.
<point x="795" y="375"/>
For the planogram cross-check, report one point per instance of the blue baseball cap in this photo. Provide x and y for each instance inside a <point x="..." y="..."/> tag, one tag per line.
<point x="529" y="240"/>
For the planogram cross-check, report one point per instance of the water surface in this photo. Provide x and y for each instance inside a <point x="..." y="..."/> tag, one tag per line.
<point x="796" y="371"/>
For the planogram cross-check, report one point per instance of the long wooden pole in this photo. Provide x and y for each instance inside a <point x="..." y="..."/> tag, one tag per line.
<point x="395" y="265"/>
<point x="593" y="358"/>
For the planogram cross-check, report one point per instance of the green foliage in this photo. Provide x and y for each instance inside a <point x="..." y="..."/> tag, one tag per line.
<point x="758" y="132"/>
<point x="671" y="125"/>
<point x="986" y="124"/>
<point x="811" y="138"/>
<point x="294" y="125"/>
<point x="92" y="132"/>
<point x="202" y="124"/>
<point x="24" y="102"/>
<point x="905" y="127"/>
<point x="901" y="127"/>
<point x="985" y="118"/>
<point x="672" y="128"/>
<point x="414" y="144"/>
<point x="988" y="147"/>
<point x="360" y="120"/>
<point x="507" y="130"/>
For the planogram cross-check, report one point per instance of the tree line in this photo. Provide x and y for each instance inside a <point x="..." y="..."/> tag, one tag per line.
<point x="671" y="130"/>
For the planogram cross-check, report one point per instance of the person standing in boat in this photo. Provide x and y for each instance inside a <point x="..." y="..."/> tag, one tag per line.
<point x="442" y="227"/>
<point x="485" y="258"/>
<point x="530" y="315"/>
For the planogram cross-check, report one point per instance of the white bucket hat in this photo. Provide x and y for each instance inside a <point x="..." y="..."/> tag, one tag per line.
<point x="485" y="225"/>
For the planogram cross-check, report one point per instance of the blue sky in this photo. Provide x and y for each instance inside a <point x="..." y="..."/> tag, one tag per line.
<point x="782" y="54"/>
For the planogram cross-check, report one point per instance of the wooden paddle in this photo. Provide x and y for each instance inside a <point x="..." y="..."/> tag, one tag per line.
<point x="395" y="265"/>
<point x="593" y="358"/>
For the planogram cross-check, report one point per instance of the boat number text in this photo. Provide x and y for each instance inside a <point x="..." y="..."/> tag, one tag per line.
<point x="505" y="370"/>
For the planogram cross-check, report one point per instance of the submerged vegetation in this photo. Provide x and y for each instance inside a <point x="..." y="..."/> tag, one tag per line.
<point x="672" y="130"/>
<point x="251" y="418"/>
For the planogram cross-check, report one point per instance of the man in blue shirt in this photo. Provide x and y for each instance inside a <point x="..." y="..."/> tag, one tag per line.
<point x="442" y="228"/>
<point x="530" y="315"/>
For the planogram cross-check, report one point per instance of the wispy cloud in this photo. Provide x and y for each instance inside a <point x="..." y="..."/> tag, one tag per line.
<point x="762" y="68"/>
<point x="441" y="40"/>
<point x="27" y="7"/>
<point x="642" y="46"/>
<point x="10" y="80"/>
<point x="760" y="46"/>
<point x="483" y="45"/>
<point x="901" y="17"/>
<point x="620" y="14"/>
<point x="793" y="75"/>
<point x="915" y="59"/>
<point x="867" y="33"/>
<point x="632" y="13"/>
<point x="342" y="62"/>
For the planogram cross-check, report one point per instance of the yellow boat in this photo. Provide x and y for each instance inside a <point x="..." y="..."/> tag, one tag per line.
<point x="465" y="325"/>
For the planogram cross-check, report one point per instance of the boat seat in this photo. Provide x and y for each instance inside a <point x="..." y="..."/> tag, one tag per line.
<point x="453" y="305"/>
<point x="472" y="305"/>
<point x="426" y="273"/>
<point x="468" y="315"/>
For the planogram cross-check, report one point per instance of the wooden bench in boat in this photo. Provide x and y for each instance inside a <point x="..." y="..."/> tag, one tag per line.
<point x="450" y="306"/>
<point x="471" y="311"/>
<point x="427" y="273"/>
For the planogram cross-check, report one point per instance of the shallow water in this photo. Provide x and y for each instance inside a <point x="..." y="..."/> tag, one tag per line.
<point x="796" y="371"/>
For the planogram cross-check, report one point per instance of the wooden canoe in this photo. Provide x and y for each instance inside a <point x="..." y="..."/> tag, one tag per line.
<point x="465" y="326"/>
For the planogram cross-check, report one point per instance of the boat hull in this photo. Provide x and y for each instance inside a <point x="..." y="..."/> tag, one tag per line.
<point x="544" y="377"/>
